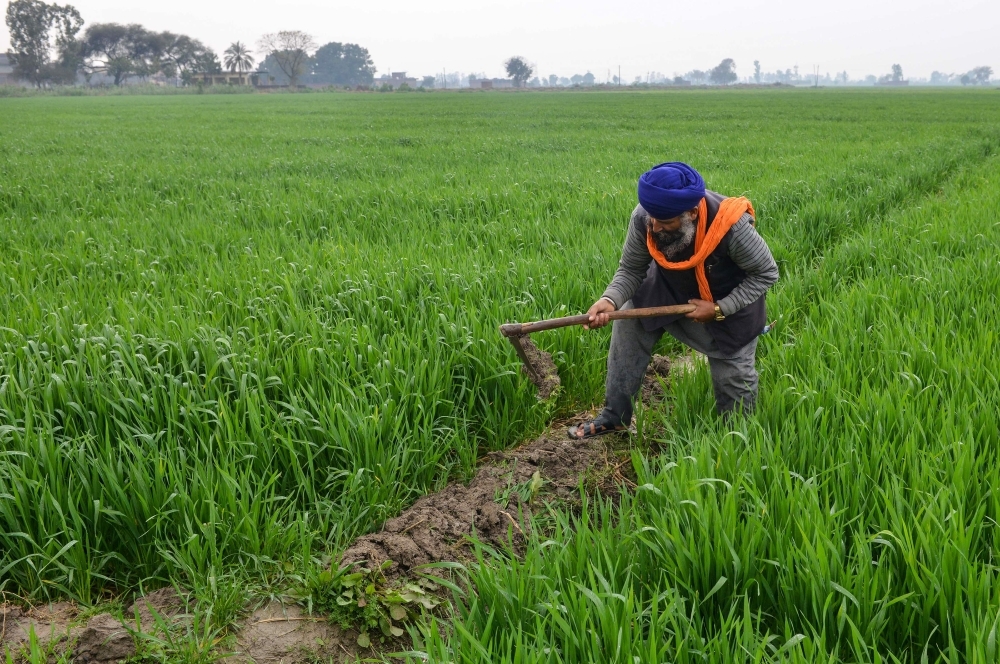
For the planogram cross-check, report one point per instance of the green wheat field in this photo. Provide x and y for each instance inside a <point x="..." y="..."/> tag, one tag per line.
<point x="238" y="331"/>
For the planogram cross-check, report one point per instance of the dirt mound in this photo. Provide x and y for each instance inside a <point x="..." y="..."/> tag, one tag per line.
<point x="282" y="634"/>
<point x="167" y="603"/>
<point x="436" y="527"/>
<point x="51" y="624"/>
<point x="103" y="639"/>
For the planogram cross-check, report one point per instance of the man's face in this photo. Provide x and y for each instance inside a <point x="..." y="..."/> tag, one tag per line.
<point x="674" y="235"/>
<point x="669" y="225"/>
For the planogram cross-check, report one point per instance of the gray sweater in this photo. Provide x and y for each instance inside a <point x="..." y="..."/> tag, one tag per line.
<point x="746" y="247"/>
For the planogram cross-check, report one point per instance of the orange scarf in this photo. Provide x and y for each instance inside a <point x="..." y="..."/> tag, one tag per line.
<point x="730" y="211"/>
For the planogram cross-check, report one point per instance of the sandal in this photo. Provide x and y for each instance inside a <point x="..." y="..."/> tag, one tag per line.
<point x="593" y="429"/>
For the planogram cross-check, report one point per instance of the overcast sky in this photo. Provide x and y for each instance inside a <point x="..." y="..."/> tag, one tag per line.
<point x="566" y="37"/>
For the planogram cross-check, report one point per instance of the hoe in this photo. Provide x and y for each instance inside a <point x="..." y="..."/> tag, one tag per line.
<point x="539" y="365"/>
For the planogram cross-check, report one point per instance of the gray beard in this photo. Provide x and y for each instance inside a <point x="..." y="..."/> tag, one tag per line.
<point x="672" y="244"/>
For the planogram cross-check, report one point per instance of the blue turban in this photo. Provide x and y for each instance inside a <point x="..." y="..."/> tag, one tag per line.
<point x="667" y="190"/>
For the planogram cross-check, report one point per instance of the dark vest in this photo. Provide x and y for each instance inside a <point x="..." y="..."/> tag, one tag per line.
<point x="665" y="287"/>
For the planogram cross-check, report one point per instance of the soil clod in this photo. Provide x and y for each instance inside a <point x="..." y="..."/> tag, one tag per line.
<point x="282" y="634"/>
<point x="545" y="375"/>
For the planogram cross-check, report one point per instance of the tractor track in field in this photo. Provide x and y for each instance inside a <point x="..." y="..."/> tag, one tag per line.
<point x="495" y="508"/>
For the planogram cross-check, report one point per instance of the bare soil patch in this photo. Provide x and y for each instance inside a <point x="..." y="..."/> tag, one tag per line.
<point x="103" y="638"/>
<point x="280" y="633"/>
<point x="50" y="623"/>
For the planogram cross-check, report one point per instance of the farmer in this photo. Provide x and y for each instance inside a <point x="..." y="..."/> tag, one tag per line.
<point x="685" y="244"/>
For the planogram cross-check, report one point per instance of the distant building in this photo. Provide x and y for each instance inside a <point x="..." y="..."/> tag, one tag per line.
<point x="231" y="78"/>
<point x="395" y="80"/>
<point x="490" y="83"/>
<point x="6" y="70"/>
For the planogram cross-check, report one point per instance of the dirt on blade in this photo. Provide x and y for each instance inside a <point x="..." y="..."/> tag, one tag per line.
<point x="547" y="378"/>
<point x="437" y="526"/>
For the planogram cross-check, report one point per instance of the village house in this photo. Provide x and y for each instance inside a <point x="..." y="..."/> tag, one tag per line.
<point x="230" y="78"/>
<point x="395" y="80"/>
<point x="490" y="83"/>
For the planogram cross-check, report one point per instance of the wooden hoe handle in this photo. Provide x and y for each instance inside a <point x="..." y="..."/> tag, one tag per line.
<point x="517" y="329"/>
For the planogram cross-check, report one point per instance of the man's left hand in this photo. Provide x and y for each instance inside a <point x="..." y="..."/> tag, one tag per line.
<point x="704" y="312"/>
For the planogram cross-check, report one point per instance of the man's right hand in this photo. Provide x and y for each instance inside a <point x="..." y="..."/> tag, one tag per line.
<point x="599" y="314"/>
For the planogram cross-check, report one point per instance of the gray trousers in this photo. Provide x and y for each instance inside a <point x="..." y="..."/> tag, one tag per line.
<point x="734" y="376"/>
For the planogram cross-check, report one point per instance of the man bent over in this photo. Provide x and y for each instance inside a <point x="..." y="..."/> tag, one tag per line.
<point x="685" y="244"/>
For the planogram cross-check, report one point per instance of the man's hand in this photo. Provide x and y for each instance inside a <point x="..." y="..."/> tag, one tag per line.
<point x="704" y="312"/>
<point x="599" y="314"/>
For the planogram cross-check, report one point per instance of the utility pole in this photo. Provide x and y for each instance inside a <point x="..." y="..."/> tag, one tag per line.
<point x="619" y="76"/>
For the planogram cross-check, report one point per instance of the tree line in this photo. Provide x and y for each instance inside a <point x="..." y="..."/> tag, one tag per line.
<point x="47" y="47"/>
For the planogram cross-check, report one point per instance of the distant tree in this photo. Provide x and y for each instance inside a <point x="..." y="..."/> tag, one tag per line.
<point x="36" y="31"/>
<point x="679" y="80"/>
<point x="183" y="56"/>
<point x="756" y="71"/>
<point x="275" y="75"/>
<point x="696" y="76"/>
<point x="940" y="78"/>
<point x="345" y="64"/>
<point x="870" y="79"/>
<point x="576" y="79"/>
<point x="518" y="69"/>
<point x="553" y="80"/>
<point x="535" y="83"/>
<point x="115" y="50"/>
<point x="723" y="73"/>
<point x="237" y="58"/>
<point x="981" y="75"/>
<point x="897" y="73"/>
<point x="588" y="79"/>
<point x="208" y="62"/>
<point x="428" y="82"/>
<point x="289" y="50"/>
<point x="965" y="80"/>
<point x="122" y="51"/>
